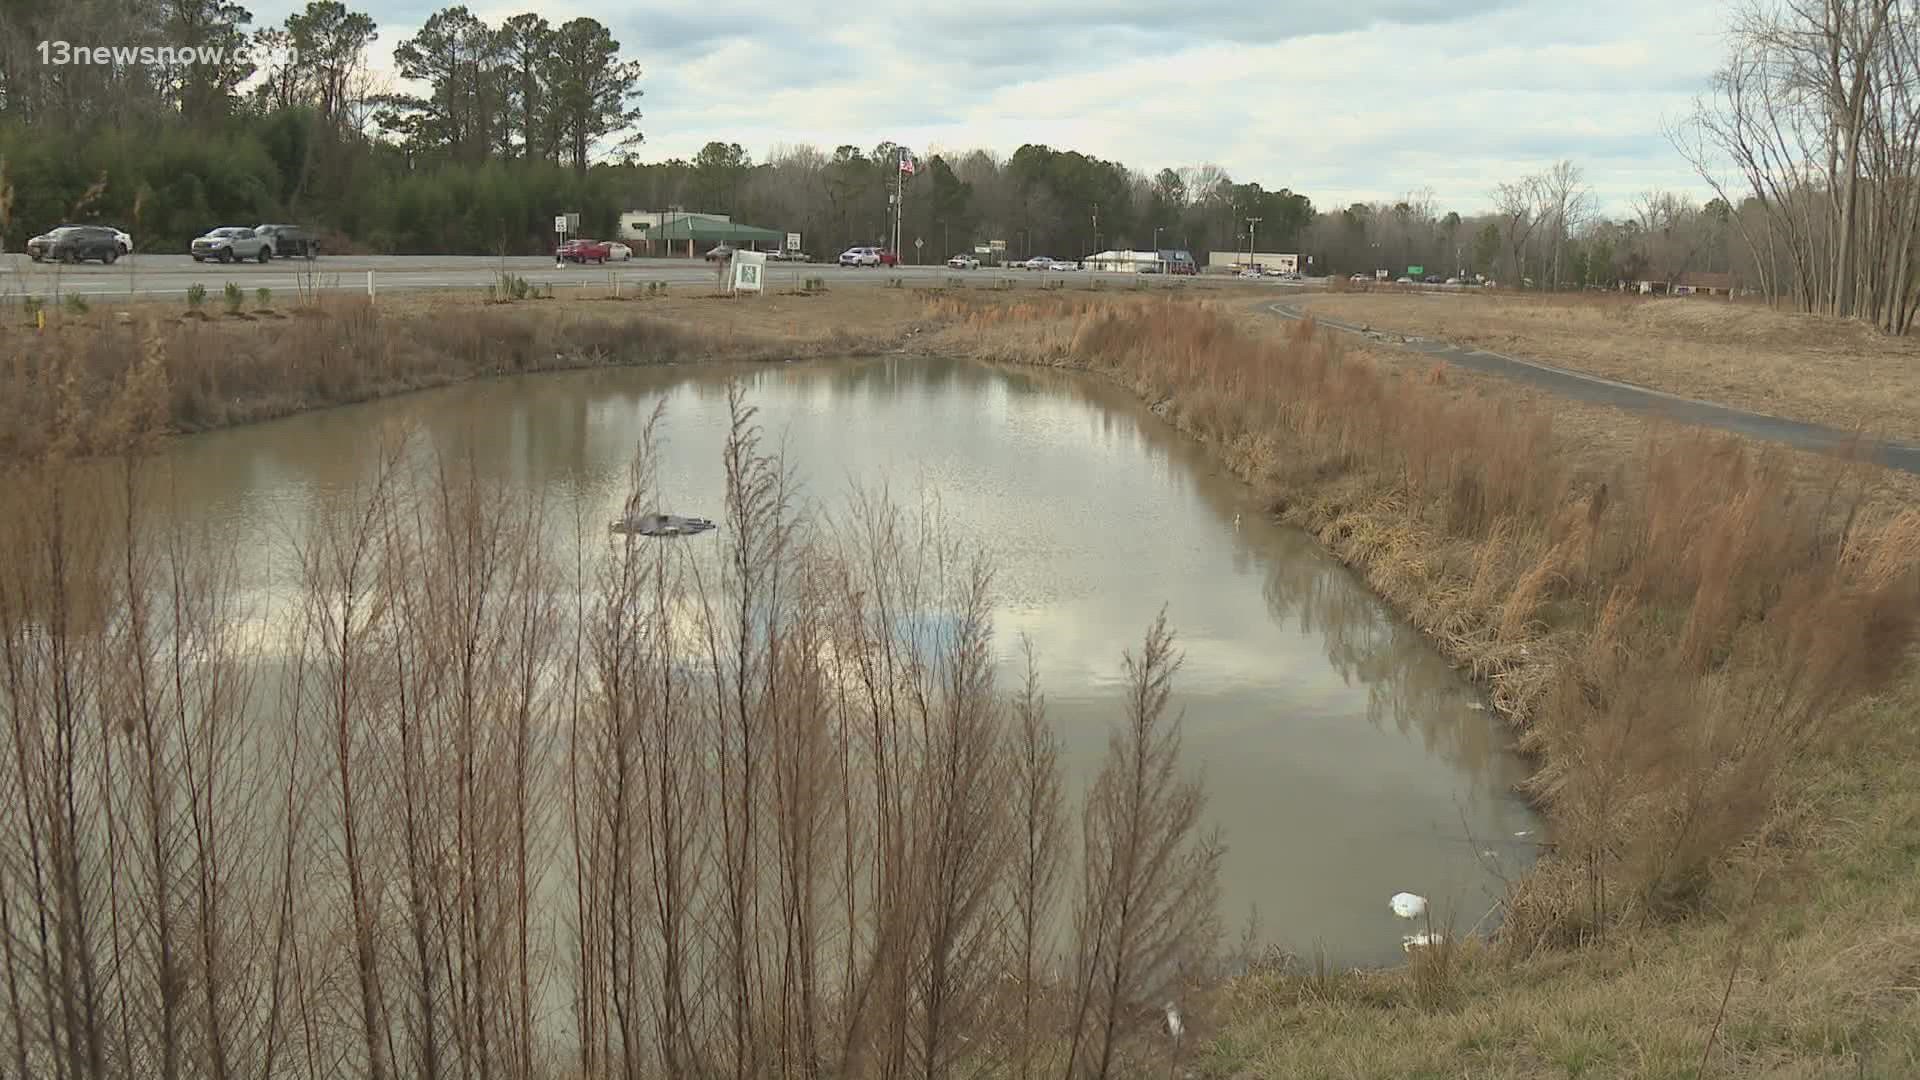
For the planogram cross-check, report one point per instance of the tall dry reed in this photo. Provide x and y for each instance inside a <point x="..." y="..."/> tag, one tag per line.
<point x="1672" y="643"/>
<point x="472" y="793"/>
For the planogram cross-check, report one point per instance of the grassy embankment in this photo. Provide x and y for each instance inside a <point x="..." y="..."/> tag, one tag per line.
<point x="1705" y="643"/>
<point x="224" y="369"/>
<point x="1803" y="367"/>
<point x="1709" y="661"/>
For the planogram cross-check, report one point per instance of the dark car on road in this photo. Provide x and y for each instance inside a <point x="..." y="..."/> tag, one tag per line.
<point x="290" y="241"/>
<point x="75" y="243"/>
<point x="584" y="251"/>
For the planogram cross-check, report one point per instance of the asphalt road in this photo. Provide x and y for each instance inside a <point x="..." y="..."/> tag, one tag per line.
<point x="1601" y="391"/>
<point x="172" y="275"/>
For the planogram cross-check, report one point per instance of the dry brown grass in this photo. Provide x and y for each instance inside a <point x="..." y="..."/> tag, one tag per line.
<point x="1674" y="630"/>
<point x="1829" y="371"/>
<point x="222" y="371"/>
<point x="1706" y="645"/>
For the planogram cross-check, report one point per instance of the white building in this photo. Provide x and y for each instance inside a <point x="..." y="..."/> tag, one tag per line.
<point x="1141" y="262"/>
<point x="1265" y="260"/>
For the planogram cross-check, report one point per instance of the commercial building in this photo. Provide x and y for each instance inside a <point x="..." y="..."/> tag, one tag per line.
<point x="1690" y="283"/>
<point x="1165" y="261"/>
<point x="1265" y="260"/>
<point x="674" y="232"/>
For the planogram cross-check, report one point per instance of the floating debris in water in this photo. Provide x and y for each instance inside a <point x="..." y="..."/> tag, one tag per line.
<point x="1523" y="834"/>
<point x="1421" y="940"/>
<point x="1408" y="905"/>
<point x="661" y="525"/>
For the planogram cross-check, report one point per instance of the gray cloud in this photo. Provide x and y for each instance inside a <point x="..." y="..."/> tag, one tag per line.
<point x="1344" y="101"/>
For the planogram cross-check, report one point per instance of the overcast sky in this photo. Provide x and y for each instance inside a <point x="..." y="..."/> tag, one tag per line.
<point x="1343" y="100"/>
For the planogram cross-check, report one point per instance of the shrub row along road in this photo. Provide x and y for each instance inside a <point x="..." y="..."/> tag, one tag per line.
<point x="1600" y="391"/>
<point x="172" y="275"/>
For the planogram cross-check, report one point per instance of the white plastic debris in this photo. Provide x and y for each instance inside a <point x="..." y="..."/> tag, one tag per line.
<point x="1174" y="1025"/>
<point x="1421" y="940"/>
<point x="1408" y="905"/>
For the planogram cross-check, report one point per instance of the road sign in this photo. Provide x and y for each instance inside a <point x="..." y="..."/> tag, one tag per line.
<point x="793" y="241"/>
<point x="749" y="270"/>
<point x="982" y="249"/>
<point x="560" y="223"/>
<point x="998" y="245"/>
<point x="918" y="243"/>
<point x="1416" y="271"/>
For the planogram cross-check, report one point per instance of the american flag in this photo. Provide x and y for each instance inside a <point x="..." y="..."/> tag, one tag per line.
<point x="906" y="163"/>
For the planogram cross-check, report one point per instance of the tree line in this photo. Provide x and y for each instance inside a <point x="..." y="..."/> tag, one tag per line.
<point x="510" y="126"/>
<point x="1808" y="137"/>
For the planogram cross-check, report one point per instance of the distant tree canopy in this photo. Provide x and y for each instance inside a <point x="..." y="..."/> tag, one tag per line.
<point x="505" y="137"/>
<point x="524" y="119"/>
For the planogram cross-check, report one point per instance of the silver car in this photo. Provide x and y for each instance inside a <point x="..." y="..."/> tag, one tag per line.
<point x="231" y="243"/>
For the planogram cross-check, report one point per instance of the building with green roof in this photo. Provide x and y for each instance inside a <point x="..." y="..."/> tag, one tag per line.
<point x="674" y="230"/>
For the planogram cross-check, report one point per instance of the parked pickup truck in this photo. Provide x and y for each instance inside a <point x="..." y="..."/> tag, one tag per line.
<point x="585" y="251"/>
<point x="289" y="241"/>
<point x="230" y="243"/>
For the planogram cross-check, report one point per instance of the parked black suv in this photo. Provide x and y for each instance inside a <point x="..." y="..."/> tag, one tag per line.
<point x="75" y="243"/>
<point x="290" y="240"/>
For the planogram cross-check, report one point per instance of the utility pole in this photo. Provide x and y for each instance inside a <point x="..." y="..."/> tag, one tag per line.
<point x="1096" y="227"/>
<point x="1251" y="223"/>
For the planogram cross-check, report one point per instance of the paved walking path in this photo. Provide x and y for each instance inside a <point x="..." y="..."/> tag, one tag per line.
<point x="1601" y="391"/>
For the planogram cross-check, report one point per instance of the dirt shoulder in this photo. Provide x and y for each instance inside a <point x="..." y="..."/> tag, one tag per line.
<point x="1801" y="367"/>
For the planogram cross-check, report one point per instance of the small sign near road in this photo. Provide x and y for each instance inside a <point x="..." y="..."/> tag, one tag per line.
<point x="918" y="243"/>
<point x="560" y="223"/>
<point x="793" y="241"/>
<point x="749" y="270"/>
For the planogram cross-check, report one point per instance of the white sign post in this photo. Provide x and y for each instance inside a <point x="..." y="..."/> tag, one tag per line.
<point x="749" y="271"/>
<point x="793" y="256"/>
<point x="559" y="238"/>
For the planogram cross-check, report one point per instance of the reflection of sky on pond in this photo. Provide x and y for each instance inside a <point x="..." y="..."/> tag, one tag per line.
<point x="1344" y="760"/>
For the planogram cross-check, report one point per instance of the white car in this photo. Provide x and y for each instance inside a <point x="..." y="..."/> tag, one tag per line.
<point x="1251" y="273"/>
<point x="1062" y="264"/>
<point x="1360" y="277"/>
<point x="1039" y="262"/>
<point x="1403" y="280"/>
<point x="964" y="262"/>
<point x="126" y="242"/>
<point x="860" y="256"/>
<point x="619" y="252"/>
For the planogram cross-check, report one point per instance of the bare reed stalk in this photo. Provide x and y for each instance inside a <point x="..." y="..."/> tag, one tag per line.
<point x="1039" y="808"/>
<point x="1150" y="882"/>
<point x="782" y="766"/>
<point x="346" y="617"/>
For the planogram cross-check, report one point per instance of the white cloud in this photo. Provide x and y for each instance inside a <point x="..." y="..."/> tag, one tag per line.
<point x="1367" y="100"/>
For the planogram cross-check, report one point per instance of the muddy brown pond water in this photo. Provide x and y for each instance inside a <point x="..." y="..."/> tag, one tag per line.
<point x="1343" y="759"/>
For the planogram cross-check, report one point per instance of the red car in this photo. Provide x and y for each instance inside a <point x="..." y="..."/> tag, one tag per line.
<point x="889" y="258"/>
<point x="585" y="251"/>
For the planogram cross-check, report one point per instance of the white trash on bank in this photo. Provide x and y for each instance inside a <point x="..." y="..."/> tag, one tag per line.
<point x="1421" y="940"/>
<point x="1408" y="905"/>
